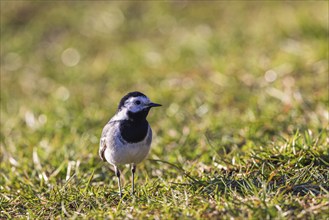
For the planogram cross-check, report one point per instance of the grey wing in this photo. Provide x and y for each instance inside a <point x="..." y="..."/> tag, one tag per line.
<point x="102" y="144"/>
<point x="149" y="136"/>
<point x="102" y="149"/>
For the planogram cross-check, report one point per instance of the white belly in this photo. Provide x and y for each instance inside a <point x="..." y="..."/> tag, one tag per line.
<point x="127" y="154"/>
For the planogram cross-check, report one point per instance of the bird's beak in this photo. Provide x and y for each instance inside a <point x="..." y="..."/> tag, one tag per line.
<point x="151" y="104"/>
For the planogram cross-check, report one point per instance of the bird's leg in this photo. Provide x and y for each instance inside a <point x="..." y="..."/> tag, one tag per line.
<point x="133" y="170"/>
<point x="117" y="173"/>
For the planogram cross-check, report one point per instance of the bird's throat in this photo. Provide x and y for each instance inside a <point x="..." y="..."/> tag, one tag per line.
<point x="138" y="116"/>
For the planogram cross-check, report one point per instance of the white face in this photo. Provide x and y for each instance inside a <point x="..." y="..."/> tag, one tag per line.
<point x="133" y="104"/>
<point x="136" y="104"/>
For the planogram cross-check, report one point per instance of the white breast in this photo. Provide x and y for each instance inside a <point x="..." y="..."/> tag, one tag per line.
<point x="119" y="151"/>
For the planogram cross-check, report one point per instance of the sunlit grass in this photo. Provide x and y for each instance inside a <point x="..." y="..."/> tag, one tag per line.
<point x="243" y="131"/>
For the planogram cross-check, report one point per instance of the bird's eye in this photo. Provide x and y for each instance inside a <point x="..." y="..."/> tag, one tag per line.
<point x="138" y="102"/>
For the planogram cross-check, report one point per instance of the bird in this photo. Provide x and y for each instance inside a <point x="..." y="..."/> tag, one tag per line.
<point x="127" y="137"/>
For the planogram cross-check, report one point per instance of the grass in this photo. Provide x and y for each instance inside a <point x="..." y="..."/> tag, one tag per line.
<point x="243" y="132"/>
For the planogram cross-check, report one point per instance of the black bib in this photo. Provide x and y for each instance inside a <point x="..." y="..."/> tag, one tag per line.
<point x="135" y="128"/>
<point x="133" y="131"/>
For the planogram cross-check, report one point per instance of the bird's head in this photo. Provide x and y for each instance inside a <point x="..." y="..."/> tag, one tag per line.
<point x="136" y="105"/>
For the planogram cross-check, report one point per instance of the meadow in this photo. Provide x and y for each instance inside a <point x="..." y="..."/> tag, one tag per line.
<point x="242" y="134"/>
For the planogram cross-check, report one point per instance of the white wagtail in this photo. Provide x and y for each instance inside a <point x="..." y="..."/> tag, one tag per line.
<point x="127" y="137"/>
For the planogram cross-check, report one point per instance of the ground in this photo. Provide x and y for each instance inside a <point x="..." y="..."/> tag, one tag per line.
<point x="243" y="131"/>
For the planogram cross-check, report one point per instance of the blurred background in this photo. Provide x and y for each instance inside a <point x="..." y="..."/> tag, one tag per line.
<point x="233" y="75"/>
